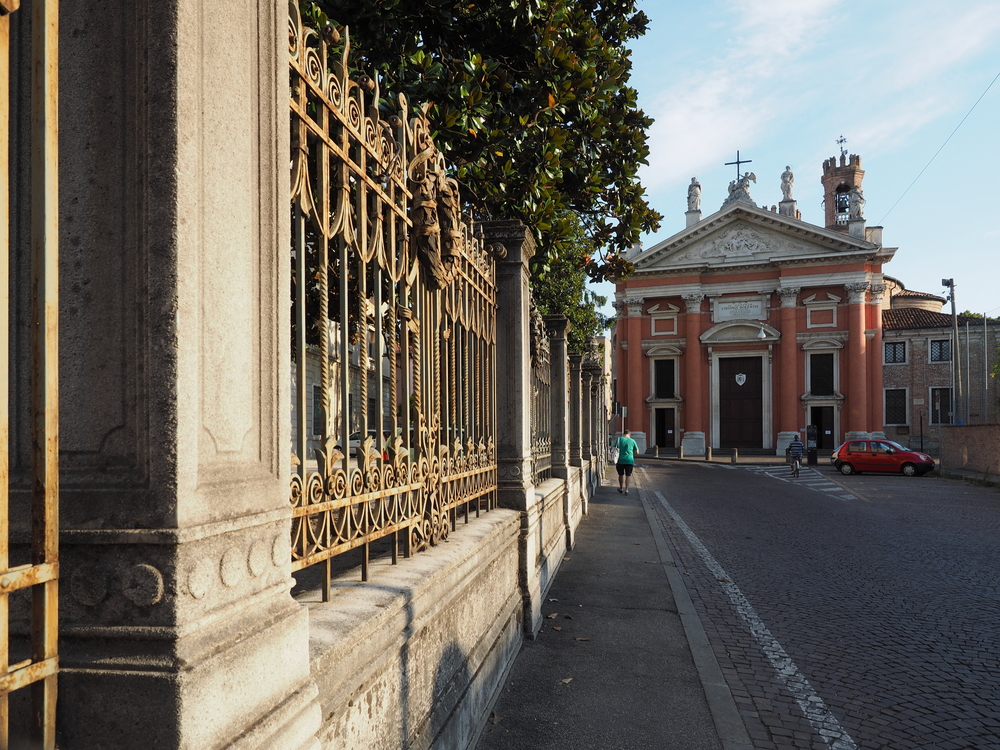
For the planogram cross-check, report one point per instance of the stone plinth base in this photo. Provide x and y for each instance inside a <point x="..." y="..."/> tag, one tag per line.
<point x="693" y="443"/>
<point x="788" y="208"/>
<point x="692" y="218"/>
<point x="878" y="435"/>
<point x="415" y="657"/>
<point x="640" y="440"/>
<point x="857" y="435"/>
<point x="784" y="438"/>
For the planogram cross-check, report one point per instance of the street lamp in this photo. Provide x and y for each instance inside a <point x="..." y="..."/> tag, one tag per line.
<point x="956" y="361"/>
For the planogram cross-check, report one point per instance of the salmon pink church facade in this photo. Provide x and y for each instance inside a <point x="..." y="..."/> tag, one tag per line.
<point x="751" y="324"/>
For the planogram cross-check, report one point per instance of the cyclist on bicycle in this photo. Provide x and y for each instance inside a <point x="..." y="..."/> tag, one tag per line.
<point x="795" y="449"/>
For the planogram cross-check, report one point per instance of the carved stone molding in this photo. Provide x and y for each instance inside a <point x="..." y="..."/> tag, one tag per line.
<point x="878" y="293"/>
<point x="692" y="302"/>
<point x="789" y="295"/>
<point x="856" y="291"/>
<point x="142" y="585"/>
<point x="634" y="305"/>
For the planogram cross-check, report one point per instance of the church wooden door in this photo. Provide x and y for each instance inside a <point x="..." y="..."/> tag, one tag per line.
<point x="741" y="402"/>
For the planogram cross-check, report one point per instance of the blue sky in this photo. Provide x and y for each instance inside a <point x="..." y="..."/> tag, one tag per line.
<point x="781" y="80"/>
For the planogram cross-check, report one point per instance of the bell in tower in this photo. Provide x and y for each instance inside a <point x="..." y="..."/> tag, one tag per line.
<point x="839" y="182"/>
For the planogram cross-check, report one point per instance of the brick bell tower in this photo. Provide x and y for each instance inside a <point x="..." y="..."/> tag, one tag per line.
<point x="838" y="181"/>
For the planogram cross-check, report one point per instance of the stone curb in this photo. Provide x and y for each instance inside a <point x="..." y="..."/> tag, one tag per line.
<point x="728" y="723"/>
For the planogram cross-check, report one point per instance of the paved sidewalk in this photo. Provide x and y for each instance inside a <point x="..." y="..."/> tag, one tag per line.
<point x="618" y="673"/>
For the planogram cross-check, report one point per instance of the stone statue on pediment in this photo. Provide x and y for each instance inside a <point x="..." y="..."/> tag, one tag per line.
<point x="739" y="190"/>
<point x="787" y="180"/>
<point x="694" y="195"/>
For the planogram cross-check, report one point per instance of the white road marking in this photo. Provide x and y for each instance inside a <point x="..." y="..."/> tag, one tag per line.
<point x="824" y="723"/>
<point x="809" y="478"/>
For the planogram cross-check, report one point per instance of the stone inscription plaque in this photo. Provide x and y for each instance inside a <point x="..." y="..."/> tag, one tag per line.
<point x="752" y="309"/>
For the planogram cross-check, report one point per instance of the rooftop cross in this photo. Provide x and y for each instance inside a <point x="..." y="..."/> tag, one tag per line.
<point x="737" y="163"/>
<point x="840" y="142"/>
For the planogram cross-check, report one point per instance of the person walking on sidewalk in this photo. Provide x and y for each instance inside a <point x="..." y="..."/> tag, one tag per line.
<point x="627" y="448"/>
<point x="795" y="449"/>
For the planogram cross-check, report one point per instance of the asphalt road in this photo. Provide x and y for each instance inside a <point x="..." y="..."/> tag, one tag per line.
<point x="845" y="612"/>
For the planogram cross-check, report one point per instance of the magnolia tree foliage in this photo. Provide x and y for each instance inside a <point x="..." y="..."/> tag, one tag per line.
<point x="562" y="290"/>
<point x="531" y="103"/>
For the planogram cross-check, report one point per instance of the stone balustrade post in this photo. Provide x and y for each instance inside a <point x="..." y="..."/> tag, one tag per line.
<point x="513" y="246"/>
<point x="557" y="326"/>
<point x="586" y="418"/>
<point x="575" y="410"/>
<point x="177" y="628"/>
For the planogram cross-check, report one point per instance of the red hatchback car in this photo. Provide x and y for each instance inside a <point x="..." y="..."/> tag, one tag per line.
<point x="856" y="456"/>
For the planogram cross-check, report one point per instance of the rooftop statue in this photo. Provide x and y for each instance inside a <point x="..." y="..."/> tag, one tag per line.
<point x="857" y="203"/>
<point x="787" y="180"/>
<point x="739" y="190"/>
<point x="694" y="195"/>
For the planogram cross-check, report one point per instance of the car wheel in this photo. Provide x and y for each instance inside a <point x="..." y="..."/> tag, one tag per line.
<point x="909" y="470"/>
<point x="846" y="469"/>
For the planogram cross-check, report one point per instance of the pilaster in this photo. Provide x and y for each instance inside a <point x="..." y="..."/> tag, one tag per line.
<point x="876" y="417"/>
<point x="790" y="409"/>
<point x="857" y="379"/>
<point x="695" y="378"/>
<point x="586" y="419"/>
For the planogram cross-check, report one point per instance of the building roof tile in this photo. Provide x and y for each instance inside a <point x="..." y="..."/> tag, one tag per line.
<point x="904" y="318"/>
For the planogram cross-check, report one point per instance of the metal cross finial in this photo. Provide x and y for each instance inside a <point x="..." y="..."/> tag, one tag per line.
<point x="840" y="142"/>
<point x="737" y="163"/>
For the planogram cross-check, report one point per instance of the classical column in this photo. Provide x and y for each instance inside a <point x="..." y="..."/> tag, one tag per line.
<point x="593" y="370"/>
<point x="575" y="409"/>
<point x="857" y="374"/>
<point x="790" y="408"/>
<point x="177" y="628"/>
<point x="876" y="409"/>
<point x="556" y="326"/>
<point x="695" y="379"/>
<point x="635" y="390"/>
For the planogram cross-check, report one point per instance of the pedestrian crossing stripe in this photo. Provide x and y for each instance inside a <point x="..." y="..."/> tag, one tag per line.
<point x="808" y="477"/>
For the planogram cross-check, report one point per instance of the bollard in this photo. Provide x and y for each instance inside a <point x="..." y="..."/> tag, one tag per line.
<point x="736" y="455"/>
<point x="708" y="452"/>
<point x="680" y="452"/>
<point x="656" y="451"/>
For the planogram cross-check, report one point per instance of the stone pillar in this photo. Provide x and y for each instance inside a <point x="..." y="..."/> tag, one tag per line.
<point x="593" y="369"/>
<point x="695" y="379"/>
<point x="857" y="375"/>
<point x="586" y="420"/>
<point x="557" y="326"/>
<point x="575" y="411"/>
<point x="790" y="409"/>
<point x="876" y="399"/>
<point x="177" y="628"/>
<point x="513" y="244"/>
<point x="635" y="389"/>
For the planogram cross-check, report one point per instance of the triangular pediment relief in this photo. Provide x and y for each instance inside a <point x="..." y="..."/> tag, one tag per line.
<point x="743" y="235"/>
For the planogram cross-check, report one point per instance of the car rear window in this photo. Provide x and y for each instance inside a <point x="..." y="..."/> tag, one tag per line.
<point x="857" y="447"/>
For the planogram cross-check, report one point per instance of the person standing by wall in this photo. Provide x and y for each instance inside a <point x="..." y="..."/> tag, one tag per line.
<point x="627" y="448"/>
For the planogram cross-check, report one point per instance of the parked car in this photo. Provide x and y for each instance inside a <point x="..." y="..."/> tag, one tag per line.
<point x="856" y="456"/>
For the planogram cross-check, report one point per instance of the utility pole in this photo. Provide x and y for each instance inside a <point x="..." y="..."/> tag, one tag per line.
<point x="956" y="360"/>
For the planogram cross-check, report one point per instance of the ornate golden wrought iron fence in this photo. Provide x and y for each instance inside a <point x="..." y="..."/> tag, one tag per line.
<point x="40" y="575"/>
<point x="394" y="315"/>
<point x="541" y="399"/>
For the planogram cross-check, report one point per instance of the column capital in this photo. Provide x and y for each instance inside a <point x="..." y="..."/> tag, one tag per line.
<point x="878" y="293"/>
<point x="618" y="305"/>
<point x="789" y="295"/>
<point x="634" y="305"/>
<point x="692" y="302"/>
<point x="856" y="291"/>
<point x="510" y="242"/>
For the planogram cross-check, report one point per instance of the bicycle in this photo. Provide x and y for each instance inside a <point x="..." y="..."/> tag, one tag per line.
<point x="796" y="465"/>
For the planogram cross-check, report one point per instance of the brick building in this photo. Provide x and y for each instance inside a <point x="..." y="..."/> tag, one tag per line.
<point x="919" y="368"/>
<point x="750" y="323"/>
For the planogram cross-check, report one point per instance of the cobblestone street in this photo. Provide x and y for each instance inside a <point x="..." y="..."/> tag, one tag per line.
<point x="845" y="612"/>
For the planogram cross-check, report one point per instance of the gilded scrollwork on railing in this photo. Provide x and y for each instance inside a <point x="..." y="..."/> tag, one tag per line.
<point x="394" y="319"/>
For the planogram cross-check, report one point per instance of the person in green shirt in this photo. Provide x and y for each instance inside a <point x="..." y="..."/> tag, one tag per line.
<point x="627" y="448"/>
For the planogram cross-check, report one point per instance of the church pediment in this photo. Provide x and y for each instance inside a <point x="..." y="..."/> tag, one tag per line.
<point x="744" y="235"/>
